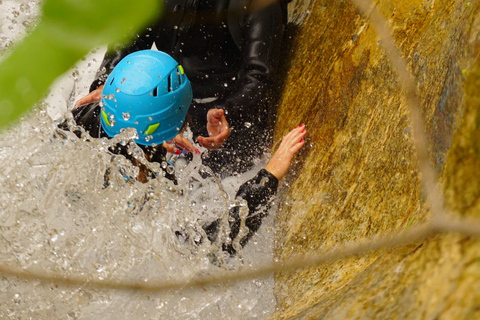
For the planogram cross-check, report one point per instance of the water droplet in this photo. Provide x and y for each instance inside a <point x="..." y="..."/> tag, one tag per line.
<point x="247" y="124"/>
<point x="264" y="181"/>
<point x="117" y="90"/>
<point x="175" y="27"/>
<point x="225" y="84"/>
<point x="125" y="116"/>
<point x="170" y="169"/>
<point x="108" y="96"/>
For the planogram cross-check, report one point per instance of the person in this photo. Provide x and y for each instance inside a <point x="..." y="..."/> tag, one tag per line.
<point x="229" y="49"/>
<point x="150" y="92"/>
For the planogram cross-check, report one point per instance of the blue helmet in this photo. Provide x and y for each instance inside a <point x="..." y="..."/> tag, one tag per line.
<point x="149" y="91"/>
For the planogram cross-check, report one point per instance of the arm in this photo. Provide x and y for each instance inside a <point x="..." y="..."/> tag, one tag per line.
<point x="259" y="191"/>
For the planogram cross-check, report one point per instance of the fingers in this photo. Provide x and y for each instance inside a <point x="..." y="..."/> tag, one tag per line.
<point x="215" y="116"/>
<point x="182" y="142"/>
<point x="216" y="121"/>
<point x="171" y="148"/>
<point x="185" y="144"/>
<point x="213" y="142"/>
<point x="280" y="162"/>
<point x="95" y="95"/>
<point x="294" y="139"/>
<point x="217" y="128"/>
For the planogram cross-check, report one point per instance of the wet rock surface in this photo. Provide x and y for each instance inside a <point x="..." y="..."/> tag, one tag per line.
<point x="359" y="177"/>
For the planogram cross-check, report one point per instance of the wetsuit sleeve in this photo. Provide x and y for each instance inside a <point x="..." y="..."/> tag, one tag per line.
<point x="115" y="53"/>
<point x="258" y="193"/>
<point x="262" y="32"/>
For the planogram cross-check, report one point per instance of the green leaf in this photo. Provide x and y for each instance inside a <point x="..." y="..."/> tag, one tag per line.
<point x="68" y="30"/>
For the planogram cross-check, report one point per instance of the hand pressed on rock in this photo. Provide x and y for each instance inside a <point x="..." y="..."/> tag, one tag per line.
<point x="282" y="158"/>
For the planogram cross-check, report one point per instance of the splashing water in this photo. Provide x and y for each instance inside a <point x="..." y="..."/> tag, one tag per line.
<point x="59" y="215"/>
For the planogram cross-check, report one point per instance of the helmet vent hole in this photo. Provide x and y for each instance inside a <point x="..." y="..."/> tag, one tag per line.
<point x="155" y="92"/>
<point x="170" y="83"/>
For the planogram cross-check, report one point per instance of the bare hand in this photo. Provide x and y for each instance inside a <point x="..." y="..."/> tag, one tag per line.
<point x="282" y="158"/>
<point x="218" y="130"/>
<point x="182" y="142"/>
<point x="95" y="95"/>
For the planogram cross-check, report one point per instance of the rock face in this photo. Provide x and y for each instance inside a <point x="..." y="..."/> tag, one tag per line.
<point x="358" y="177"/>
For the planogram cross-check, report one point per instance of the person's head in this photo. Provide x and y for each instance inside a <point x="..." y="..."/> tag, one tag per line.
<point x="148" y="91"/>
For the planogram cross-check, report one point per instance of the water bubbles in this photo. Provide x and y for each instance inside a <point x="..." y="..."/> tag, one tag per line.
<point x="24" y="7"/>
<point x="125" y="116"/>
<point x="108" y="96"/>
<point x="264" y="181"/>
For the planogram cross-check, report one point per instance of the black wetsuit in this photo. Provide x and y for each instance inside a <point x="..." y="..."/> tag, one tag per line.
<point x="258" y="192"/>
<point x="229" y="50"/>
